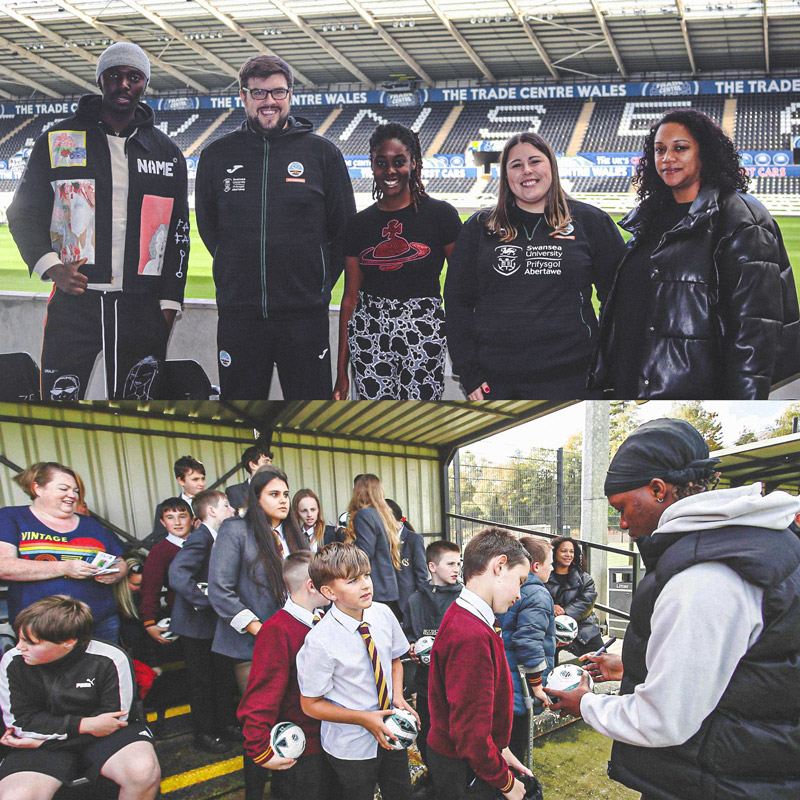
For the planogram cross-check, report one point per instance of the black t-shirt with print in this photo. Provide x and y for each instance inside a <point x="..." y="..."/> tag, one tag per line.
<point x="401" y="253"/>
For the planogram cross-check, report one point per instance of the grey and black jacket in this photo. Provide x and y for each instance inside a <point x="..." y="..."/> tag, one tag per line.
<point x="272" y="212"/>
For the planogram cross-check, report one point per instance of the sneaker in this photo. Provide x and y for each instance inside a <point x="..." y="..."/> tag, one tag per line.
<point x="211" y="744"/>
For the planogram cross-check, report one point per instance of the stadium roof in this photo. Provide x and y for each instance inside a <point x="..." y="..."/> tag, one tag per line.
<point x="49" y="48"/>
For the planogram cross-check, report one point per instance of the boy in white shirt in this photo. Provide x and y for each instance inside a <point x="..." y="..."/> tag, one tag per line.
<point x="339" y="684"/>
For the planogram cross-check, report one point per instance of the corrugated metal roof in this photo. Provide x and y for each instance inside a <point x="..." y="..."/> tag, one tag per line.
<point x="775" y="462"/>
<point x="438" y="426"/>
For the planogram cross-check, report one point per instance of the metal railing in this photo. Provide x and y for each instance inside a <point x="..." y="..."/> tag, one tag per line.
<point x="632" y="554"/>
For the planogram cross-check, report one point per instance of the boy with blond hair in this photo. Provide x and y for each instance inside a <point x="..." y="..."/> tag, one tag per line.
<point x="351" y="677"/>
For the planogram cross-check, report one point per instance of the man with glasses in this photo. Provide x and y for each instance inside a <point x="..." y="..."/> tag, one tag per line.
<point x="272" y="203"/>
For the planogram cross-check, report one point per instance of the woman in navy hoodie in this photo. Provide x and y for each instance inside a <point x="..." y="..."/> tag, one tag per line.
<point x="518" y="294"/>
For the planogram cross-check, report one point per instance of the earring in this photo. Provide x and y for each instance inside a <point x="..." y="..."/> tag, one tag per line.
<point x="659" y="499"/>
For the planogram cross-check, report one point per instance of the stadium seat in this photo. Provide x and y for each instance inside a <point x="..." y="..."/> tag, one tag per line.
<point x="20" y="377"/>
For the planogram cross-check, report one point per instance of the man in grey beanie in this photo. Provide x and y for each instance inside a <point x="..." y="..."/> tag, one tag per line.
<point x="102" y="212"/>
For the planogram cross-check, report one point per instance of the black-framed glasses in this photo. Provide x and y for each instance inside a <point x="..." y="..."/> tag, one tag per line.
<point x="260" y="94"/>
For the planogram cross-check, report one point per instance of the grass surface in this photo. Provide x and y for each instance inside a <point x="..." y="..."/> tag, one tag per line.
<point x="14" y="274"/>
<point x="571" y="764"/>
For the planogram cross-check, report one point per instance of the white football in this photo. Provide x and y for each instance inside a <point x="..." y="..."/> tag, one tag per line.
<point x="167" y="634"/>
<point x="423" y="648"/>
<point x="566" y="629"/>
<point x="567" y="677"/>
<point x="403" y="727"/>
<point x="287" y="740"/>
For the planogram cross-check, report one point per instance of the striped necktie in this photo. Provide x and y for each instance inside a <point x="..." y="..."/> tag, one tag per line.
<point x="380" y="678"/>
<point x="278" y="541"/>
<point x="497" y="629"/>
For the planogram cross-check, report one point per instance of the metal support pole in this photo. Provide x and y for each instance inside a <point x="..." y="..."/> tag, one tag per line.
<point x="594" y="506"/>
<point x="457" y="497"/>
<point x="560" y="491"/>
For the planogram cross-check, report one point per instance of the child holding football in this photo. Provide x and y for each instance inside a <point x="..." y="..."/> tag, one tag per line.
<point x="351" y="677"/>
<point x="529" y="638"/>
<point x="471" y="695"/>
<point x="273" y="695"/>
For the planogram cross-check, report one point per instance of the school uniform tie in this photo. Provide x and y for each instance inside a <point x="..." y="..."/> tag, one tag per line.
<point x="497" y="629"/>
<point x="318" y="616"/>
<point x="380" y="678"/>
<point x="278" y="541"/>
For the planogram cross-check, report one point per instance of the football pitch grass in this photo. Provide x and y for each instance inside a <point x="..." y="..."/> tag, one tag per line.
<point x="200" y="284"/>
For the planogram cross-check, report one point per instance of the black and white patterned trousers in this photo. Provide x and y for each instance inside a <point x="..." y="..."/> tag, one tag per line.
<point x="397" y="348"/>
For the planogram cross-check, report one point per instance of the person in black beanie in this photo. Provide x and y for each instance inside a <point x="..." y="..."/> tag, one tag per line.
<point x="711" y="660"/>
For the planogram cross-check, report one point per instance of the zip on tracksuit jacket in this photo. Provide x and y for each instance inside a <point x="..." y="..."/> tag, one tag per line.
<point x="48" y="701"/>
<point x="272" y="211"/>
<point x="62" y="208"/>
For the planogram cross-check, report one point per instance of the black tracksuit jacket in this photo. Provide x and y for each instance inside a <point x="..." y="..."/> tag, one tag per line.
<point x="48" y="701"/>
<point x="272" y="212"/>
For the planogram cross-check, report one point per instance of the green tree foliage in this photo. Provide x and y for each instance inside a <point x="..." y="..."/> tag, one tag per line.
<point x="746" y="437"/>
<point x="783" y="424"/>
<point x="707" y="422"/>
<point x="624" y="420"/>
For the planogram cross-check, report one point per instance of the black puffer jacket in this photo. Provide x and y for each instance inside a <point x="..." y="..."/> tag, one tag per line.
<point x="724" y="321"/>
<point x="577" y="597"/>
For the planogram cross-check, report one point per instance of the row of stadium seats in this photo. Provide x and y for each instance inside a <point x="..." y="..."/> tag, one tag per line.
<point x="767" y="122"/>
<point x="616" y="124"/>
<point x="619" y="125"/>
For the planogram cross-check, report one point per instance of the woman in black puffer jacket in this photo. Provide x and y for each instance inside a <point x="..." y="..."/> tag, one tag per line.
<point x="574" y="594"/>
<point x="703" y="305"/>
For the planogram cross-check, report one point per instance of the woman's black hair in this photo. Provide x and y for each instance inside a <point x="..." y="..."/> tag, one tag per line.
<point x="577" y="561"/>
<point x="721" y="164"/>
<point x="394" y="130"/>
<point x="398" y="514"/>
<point x="268" y="554"/>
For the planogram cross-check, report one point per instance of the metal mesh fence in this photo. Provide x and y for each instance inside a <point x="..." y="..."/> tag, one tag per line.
<point x="540" y="491"/>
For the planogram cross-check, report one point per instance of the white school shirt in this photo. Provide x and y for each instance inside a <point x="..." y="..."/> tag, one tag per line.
<point x="476" y="605"/>
<point x="334" y="663"/>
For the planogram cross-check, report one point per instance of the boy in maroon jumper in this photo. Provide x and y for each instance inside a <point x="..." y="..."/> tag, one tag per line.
<point x="176" y="516"/>
<point x="273" y="696"/>
<point x="471" y="696"/>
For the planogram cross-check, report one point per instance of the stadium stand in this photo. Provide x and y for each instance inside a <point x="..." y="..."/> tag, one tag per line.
<point x="619" y="125"/>
<point x="554" y="120"/>
<point x="767" y="121"/>
<point x="27" y="135"/>
<point x="353" y="127"/>
<point x="620" y="184"/>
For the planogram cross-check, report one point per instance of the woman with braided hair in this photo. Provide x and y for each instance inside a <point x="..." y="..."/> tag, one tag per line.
<point x="391" y="323"/>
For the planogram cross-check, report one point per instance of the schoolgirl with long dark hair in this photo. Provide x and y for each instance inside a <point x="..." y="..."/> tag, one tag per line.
<point x="245" y="581"/>
<point x="391" y="323"/>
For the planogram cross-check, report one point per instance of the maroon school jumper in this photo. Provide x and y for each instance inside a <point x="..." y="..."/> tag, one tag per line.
<point x="272" y="693"/>
<point x="155" y="575"/>
<point x="471" y="696"/>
